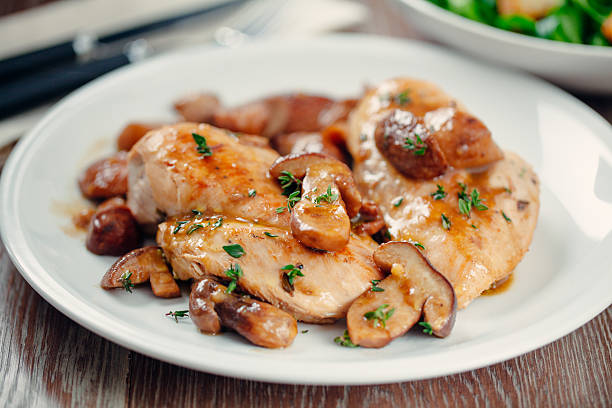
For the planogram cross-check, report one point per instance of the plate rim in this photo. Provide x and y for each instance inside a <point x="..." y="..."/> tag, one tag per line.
<point x="34" y="273"/>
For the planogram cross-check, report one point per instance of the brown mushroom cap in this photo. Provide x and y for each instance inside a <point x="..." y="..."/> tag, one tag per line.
<point x="413" y="289"/>
<point x="262" y="324"/>
<point x="404" y="140"/>
<point x="321" y="219"/>
<point x="141" y="262"/>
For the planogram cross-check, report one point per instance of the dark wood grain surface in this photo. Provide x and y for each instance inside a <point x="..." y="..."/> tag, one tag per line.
<point x="48" y="360"/>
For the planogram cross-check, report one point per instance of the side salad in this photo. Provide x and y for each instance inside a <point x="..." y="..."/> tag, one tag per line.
<point x="574" y="21"/>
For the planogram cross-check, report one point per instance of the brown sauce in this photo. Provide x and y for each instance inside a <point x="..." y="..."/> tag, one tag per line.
<point x="500" y="286"/>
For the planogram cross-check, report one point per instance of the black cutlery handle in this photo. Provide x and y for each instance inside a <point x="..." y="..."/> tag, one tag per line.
<point x="35" y="60"/>
<point x="27" y="92"/>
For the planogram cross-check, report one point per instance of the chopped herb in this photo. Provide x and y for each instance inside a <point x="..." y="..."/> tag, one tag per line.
<point x="177" y="314"/>
<point x="345" y="340"/>
<point x="280" y="210"/>
<point x="179" y="224"/>
<point x="252" y="192"/>
<point x="419" y="147"/>
<point x="202" y="148"/>
<point x="217" y="223"/>
<point x="375" y="287"/>
<point x="403" y="98"/>
<point x="427" y="329"/>
<point x="475" y="227"/>
<point x="418" y="245"/>
<point x="270" y="235"/>
<point x="194" y="228"/>
<point x="126" y="282"/>
<point x="304" y="331"/>
<point x="327" y="196"/>
<point x="508" y="190"/>
<point x="293" y="199"/>
<point x="522" y="173"/>
<point x="291" y="272"/>
<point x="446" y="224"/>
<point x="234" y="250"/>
<point x="196" y="212"/>
<point x="439" y="194"/>
<point x="466" y="202"/>
<point x="506" y="217"/>
<point x="387" y="235"/>
<point x="289" y="183"/>
<point x="234" y="272"/>
<point x="363" y="137"/>
<point x="380" y="316"/>
<point x="398" y="202"/>
<point x="477" y="202"/>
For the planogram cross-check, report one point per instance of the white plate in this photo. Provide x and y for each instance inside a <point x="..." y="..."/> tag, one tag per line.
<point x="576" y="66"/>
<point x="564" y="281"/>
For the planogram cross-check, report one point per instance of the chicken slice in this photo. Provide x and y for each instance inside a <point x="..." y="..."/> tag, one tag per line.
<point x="168" y="176"/>
<point x="331" y="281"/>
<point x="476" y="250"/>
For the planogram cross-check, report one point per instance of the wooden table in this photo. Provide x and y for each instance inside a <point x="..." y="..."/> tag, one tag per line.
<point x="48" y="360"/>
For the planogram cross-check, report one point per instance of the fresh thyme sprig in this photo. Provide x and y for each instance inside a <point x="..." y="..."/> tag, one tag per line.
<point x="380" y="316"/>
<point x="202" y="148"/>
<point x="177" y="314"/>
<point x="126" y="282"/>
<point x="234" y="273"/>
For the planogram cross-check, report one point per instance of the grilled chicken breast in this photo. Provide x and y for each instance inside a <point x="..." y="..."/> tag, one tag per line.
<point x="236" y="202"/>
<point x="168" y="176"/>
<point x="331" y="281"/>
<point x="471" y="250"/>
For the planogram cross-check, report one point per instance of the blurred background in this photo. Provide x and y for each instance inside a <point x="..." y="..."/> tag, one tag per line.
<point x="51" y="47"/>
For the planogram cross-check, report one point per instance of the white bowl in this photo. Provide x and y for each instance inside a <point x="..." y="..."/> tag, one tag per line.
<point x="579" y="67"/>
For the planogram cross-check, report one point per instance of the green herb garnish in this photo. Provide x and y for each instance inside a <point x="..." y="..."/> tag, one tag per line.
<point x="304" y="331"/>
<point x="446" y="224"/>
<point x="289" y="183"/>
<point x="194" y="228"/>
<point x="196" y="212"/>
<point x="217" y="223"/>
<point x="427" y="329"/>
<point x="398" y="202"/>
<point x="202" y="148"/>
<point x="439" y="194"/>
<point x="403" y="98"/>
<point x="328" y="196"/>
<point x="234" y="272"/>
<point x="177" y="314"/>
<point x="126" y="282"/>
<point x="270" y="235"/>
<point x="345" y="340"/>
<point x="466" y="202"/>
<point x="290" y="273"/>
<point x="280" y="210"/>
<point x="252" y="192"/>
<point x="234" y="250"/>
<point x="179" y="224"/>
<point x="506" y="217"/>
<point x="375" y="287"/>
<point x="418" y="245"/>
<point x="380" y="316"/>
<point x="418" y="147"/>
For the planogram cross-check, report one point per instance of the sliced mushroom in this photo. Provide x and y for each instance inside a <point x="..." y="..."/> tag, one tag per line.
<point x="198" y="107"/>
<point x="406" y="143"/>
<point x="132" y="133"/>
<point x="413" y="289"/>
<point x="105" y="178"/>
<point x="210" y="307"/>
<point x="140" y="262"/>
<point x="112" y="231"/>
<point x="369" y="220"/>
<point x="321" y="219"/>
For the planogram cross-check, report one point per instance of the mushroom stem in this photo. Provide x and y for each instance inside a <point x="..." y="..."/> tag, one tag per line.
<point x="210" y="307"/>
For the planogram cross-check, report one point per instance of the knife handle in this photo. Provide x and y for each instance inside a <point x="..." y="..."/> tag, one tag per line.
<point x="19" y="65"/>
<point x="25" y="93"/>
